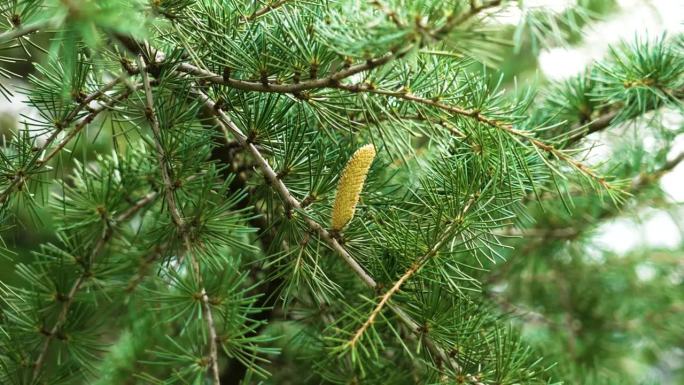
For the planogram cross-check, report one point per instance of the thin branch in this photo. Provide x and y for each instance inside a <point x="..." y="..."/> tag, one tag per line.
<point x="23" y="31"/>
<point x="647" y="179"/>
<point x="157" y="253"/>
<point x="82" y="124"/>
<point x="82" y="105"/>
<point x="106" y="236"/>
<point x="576" y="230"/>
<point x="415" y="267"/>
<point x="598" y="124"/>
<point x="478" y="116"/>
<point x="160" y="153"/>
<point x="265" y="9"/>
<point x="332" y="80"/>
<point x="606" y="119"/>
<point x="454" y="19"/>
<point x="206" y="308"/>
<point x="39" y="163"/>
<point x="229" y="128"/>
<point x="328" y="81"/>
<point x="282" y="190"/>
<point x="391" y="15"/>
<point x="419" y="118"/>
<point x="530" y="316"/>
<point x="179" y="222"/>
<point x="556" y="233"/>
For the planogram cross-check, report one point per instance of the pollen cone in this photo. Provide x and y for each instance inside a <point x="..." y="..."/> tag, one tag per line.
<point x="350" y="185"/>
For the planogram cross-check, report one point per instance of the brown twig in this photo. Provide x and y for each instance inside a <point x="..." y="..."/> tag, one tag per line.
<point x="178" y="220"/>
<point x="157" y="253"/>
<point x="265" y="9"/>
<point x="391" y="15"/>
<point x="647" y="179"/>
<point x="455" y="19"/>
<point x="82" y="124"/>
<point x="415" y="267"/>
<point x="39" y="163"/>
<point x="572" y="231"/>
<point x="598" y="124"/>
<point x="107" y="233"/>
<point x="480" y="117"/>
<point x="332" y="80"/>
<point x="22" y="31"/>
<point x="137" y="279"/>
<point x="229" y="128"/>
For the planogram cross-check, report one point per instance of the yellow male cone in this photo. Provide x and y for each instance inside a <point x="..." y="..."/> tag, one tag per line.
<point x="350" y="185"/>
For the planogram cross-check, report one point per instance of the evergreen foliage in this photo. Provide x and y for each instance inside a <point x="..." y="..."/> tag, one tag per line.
<point x="184" y="160"/>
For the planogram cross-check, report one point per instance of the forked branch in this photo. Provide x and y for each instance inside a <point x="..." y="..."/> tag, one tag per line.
<point x="335" y="78"/>
<point x="179" y="221"/>
<point x="413" y="269"/>
<point x="229" y="128"/>
<point x="480" y="117"/>
<point x="36" y="162"/>
<point x="107" y="233"/>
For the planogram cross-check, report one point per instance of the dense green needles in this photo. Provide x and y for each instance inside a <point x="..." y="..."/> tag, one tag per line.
<point x="166" y="204"/>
